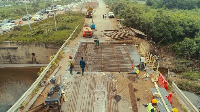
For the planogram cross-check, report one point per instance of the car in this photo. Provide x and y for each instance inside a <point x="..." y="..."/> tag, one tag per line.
<point x="26" y="17"/>
<point x="39" y="13"/>
<point x="50" y="14"/>
<point x="111" y="15"/>
<point x="5" y="21"/>
<point x="60" y="8"/>
<point x="68" y="10"/>
<point x="37" y="17"/>
<point x="8" y="26"/>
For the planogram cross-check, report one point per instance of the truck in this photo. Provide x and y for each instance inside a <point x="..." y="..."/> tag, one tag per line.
<point x="89" y="12"/>
<point x="111" y="15"/>
<point x="87" y="31"/>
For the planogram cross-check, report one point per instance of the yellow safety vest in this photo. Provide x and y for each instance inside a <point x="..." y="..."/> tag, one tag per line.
<point x="150" y="106"/>
<point x="137" y="71"/>
<point x="71" y="62"/>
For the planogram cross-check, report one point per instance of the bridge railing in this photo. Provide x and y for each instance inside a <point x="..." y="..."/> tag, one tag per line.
<point x="38" y="80"/>
<point x="185" y="100"/>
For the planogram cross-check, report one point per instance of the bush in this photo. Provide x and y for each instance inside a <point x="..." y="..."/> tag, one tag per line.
<point x="190" y="75"/>
<point x="189" y="86"/>
<point x="44" y="31"/>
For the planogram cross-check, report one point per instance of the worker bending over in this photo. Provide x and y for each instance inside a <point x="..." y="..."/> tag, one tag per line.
<point x="152" y="106"/>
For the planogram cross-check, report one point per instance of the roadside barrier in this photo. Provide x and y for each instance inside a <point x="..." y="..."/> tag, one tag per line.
<point x="37" y="81"/>
<point x="169" y="97"/>
<point x="184" y="99"/>
<point x="162" y="82"/>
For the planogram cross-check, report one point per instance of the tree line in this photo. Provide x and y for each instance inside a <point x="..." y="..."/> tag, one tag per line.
<point x="174" y="4"/>
<point x="163" y="26"/>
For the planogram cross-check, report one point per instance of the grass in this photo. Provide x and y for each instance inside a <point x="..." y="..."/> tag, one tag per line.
<point x="189" y="86"/>
<point x="45" y="32"/>
<point x="194" y="76"/>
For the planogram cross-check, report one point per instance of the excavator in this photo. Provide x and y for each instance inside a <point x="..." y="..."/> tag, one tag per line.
<point x="89" y="12"/>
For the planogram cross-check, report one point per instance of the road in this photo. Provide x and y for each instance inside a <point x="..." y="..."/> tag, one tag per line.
<point x="32" y="21"/>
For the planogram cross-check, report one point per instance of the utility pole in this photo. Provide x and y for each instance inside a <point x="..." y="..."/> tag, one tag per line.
<point x="54" y="15"/>
<point x="28" y="17"/>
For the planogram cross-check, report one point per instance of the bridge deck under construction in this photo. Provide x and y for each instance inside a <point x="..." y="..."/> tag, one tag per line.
<point x="106" y="57"/>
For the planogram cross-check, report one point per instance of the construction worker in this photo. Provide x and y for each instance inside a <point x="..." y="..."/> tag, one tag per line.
<point x="152" y="106"/>
<point x="142" y="63"/>
<point x="97" y="42"/>
<point x="174" y="110"/>
<point x="71" y="64"/>
<point x="82" y="65"/>
<point x="136" y="71"/>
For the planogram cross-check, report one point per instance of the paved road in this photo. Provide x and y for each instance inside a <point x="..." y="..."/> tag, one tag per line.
<point x="31" y="21"/>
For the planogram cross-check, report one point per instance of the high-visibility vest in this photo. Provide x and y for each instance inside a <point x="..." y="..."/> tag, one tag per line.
<point x="137" y="71"/>
<point x="150" y="106"/>
<point x="71" y="62"/>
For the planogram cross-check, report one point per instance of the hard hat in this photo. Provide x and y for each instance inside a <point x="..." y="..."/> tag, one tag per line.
<point x="70" y="56"/>
<point x="154" y="101"/>
<point x="174" y="110"/>
<point x="132" y="66"/>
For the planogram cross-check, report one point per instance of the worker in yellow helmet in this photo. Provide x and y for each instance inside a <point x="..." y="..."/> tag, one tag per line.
<point x="152" y="106"/>
<point x="174" y="110"/>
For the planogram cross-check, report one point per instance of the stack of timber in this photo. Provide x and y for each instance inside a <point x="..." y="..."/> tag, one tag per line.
<point x="119" y="35"/>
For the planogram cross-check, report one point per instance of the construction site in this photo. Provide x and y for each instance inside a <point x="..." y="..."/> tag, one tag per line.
<point x="108" y="83"/>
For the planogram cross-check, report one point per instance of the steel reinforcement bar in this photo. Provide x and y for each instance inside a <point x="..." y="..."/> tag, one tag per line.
<point x="184" y="98"/>
<point x="37" y="81"/>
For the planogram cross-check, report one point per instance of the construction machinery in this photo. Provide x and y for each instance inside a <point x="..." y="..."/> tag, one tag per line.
<point x="87" y="31"/>
<point x="89" y="12"/>
<point x="53" y="101"/>
<point x="54" y="98"/>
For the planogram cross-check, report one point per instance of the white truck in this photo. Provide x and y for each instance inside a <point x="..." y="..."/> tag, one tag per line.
<point x="111" y="15"/>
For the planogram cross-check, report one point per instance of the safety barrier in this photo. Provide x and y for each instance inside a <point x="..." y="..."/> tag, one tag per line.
<point x="185" y="100"/>
<point x="162" y="82"/>
<point x="37" y="81"/>
<point x="169" y="97"/>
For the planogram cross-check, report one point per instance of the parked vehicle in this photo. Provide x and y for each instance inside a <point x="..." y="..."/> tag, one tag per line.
<point x="60" y="8"/>
<point x="50" y="14"/>
<point x="5" y="21"/>
<point x="8" y="26"/>
<point x="37" y="17"/>
<point x="49" y="9"/>
<point x="111" y="15"/>
<point x="26" y="17"/>
<point x="87" y="31"/>
<point x="68" y="10"/>
<point x="39" y="13"/>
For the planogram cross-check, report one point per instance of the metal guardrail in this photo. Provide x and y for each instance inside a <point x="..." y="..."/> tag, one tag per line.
<point x="37" y="81"/>
<point x="184" y="98"/>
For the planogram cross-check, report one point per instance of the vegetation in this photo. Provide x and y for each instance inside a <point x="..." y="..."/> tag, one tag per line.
<point x="163" y="26"/>
<point x="174" y="4"/>
<point x="44" y="31"/>
<point x="189" y="86"/>
<point x="18" y="10"/>
<point x="191" y="75"/>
